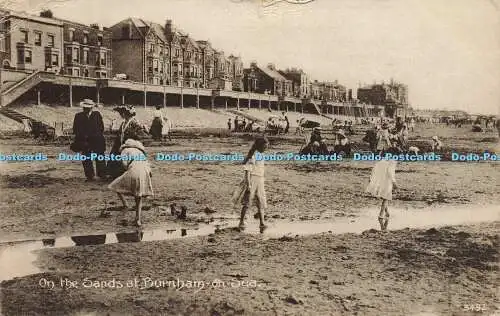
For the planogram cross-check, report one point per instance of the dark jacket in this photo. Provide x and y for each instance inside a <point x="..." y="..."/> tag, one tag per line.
<point x="89" y="132"/>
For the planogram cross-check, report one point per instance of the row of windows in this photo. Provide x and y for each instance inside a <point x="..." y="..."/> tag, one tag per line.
<point x="85" y="38"/>
<point x="73" y="54"/>
<point x="25" y="37"/>
<point x="85" y="73"/>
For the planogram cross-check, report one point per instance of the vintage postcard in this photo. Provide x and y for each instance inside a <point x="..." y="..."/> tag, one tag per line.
<point x="249" y="157"/>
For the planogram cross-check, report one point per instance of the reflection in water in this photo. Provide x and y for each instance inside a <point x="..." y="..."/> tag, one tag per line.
<point x="383" y="223"/>
<point x="89" y="240"/>
<point x="130" y="237"/>
<point x="48" y="242"/>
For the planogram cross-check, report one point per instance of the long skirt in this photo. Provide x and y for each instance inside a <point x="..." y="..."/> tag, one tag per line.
<point x="136" y="181"/>
<point x="156" y="128"/>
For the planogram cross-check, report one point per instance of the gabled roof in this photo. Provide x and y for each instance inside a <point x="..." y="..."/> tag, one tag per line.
<point x="159" y="30"/>
<point x="273" y="73"/>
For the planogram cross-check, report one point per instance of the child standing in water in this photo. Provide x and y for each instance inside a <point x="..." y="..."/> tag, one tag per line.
<point x="136" y="181"/>
<point x="382" y="182"/>
<point x="253" y="185"/>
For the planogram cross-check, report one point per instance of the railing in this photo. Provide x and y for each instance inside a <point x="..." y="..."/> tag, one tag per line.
<point x="23" y="81"/>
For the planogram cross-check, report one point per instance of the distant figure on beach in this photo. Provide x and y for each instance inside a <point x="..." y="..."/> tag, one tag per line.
<point x="236" y="123"/>
<point x="252" y="188"/>
<point x="383" y="138"/>
<point x="437" y="145"/>
<point x="229" y="124"/>
<point x="382" y="183"/>
<point x="157" y="125"/>
<point x="136" y="180"/>
<point x="412" y="124"/>
<point x="88" y="128"/>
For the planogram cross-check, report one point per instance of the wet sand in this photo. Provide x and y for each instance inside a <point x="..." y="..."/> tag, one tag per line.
<point x="374" y="273"/>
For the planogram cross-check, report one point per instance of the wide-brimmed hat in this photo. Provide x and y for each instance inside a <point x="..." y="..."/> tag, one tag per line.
<point x="129" y="109"/>
<point x="87" y="103"/>
<point x="132" y="143"/>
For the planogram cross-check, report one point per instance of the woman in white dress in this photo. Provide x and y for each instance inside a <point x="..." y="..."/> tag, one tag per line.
<point x="136" y="181"/>
<point x="252" y="187"/>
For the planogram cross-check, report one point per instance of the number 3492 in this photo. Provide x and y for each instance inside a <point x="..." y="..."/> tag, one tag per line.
<point x="475" y="307"/>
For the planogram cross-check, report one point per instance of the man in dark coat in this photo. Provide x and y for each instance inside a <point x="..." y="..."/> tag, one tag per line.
<point x="88" y="128"/>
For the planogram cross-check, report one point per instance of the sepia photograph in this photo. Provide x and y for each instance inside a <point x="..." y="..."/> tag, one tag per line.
<point x="249" y="157"/>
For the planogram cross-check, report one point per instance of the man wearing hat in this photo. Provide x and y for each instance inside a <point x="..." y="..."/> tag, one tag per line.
<point x="88" y="128"/>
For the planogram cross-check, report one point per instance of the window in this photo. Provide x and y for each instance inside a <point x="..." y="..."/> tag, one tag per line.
<point x="151" y="47"/>
<point x="38" y="38"/>
<point x="71" y="35"/>
<point x="155" y="65"/>
<point x="86" y="57"/>
<point x="161" y="67"/>
<point x="76" y="55"/>
<point x="85" y="38"/>
<point x="27" y="57"/>
<point x="67" y="55"/>
<point x="51" y="40"/>
<point x="99" y="40"/>
<point x="125" y="31"/>
<point x="20" y="56"/>
<point x="102" y="59"/>
<point x="86" y="73"/>
<point x="55" y="60"/>
<point x="76" y="72"/>
<point x="2" y="43"/>
<point x="24" y="36"/>
<point x="98" y="74"/>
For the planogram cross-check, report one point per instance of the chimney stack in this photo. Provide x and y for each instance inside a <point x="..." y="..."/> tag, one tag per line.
<point x="168" y="27"/>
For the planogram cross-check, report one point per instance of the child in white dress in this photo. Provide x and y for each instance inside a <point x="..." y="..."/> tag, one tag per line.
<point x="136" y="181"/>
<point x="382" y="182"/>
<point x="252" y="187"/>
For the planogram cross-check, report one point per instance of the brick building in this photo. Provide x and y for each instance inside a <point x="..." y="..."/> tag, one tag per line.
<point x="235" y="72"/>
<point x="208" y="62"/>
<point x="300" y="82"/>
<point x="392" y="96"/>
<point x="152" y="53"/>
<point x="315" y="90"/>
<point x="266" y="80"/>
<point x="87" y="50"/>
<point x="382" y="94"/>
<point x="29" y="42"/>
<point x="141" y="51"/>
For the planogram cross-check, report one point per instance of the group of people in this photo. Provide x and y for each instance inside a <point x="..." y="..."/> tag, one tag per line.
<point x="317" y="144"/>
<point x="241" y="126"/>
<point x="130" y="177"/>
<point x="386" y="135"/>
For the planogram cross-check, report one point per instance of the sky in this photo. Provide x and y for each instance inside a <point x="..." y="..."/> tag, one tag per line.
<point x="446" y="51"/>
